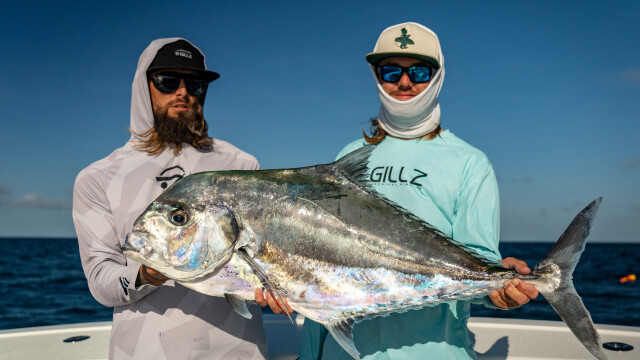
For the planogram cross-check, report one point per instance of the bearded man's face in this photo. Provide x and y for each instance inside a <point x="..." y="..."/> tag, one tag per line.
<point x="184" y="126"/>
<point x="178" y="115"/>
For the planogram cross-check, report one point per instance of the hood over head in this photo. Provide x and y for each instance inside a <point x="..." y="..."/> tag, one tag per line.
<point x="420" y="115"/>
<point x="141" y="108"/>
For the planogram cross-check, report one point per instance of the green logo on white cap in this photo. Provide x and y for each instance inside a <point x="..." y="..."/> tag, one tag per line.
<point x="403" y="40"/>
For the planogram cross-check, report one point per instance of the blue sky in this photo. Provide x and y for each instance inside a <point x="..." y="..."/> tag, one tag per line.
<point x="549" y="90"/>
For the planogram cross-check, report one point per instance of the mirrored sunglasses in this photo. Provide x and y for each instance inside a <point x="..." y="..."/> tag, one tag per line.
<point x="417" y="74"/>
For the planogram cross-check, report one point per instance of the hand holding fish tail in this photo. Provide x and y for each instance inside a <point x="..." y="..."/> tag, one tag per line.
<point x="516" y="292"/>
<point x="265" y="298"/>
<point x="147" y="275"/>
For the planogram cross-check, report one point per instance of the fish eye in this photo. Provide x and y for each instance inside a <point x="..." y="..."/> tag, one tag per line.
<point x="179" y="217"/>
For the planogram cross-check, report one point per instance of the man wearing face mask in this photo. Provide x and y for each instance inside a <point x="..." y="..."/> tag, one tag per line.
<point x="439" y="178"/>
<point x="156" y="318"/>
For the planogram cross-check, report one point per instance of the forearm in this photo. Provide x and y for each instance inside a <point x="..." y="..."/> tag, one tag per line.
<point x="110" y="275"/>
<point x="477" y="219"/>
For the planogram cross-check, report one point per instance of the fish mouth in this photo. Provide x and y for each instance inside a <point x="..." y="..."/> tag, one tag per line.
<point x="136" y="244"/>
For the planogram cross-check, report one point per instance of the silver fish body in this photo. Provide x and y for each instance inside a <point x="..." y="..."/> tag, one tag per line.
<point x="323" y="239"/>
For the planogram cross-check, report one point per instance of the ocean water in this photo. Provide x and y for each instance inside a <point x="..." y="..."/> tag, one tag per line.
<point x="42" y="283"/>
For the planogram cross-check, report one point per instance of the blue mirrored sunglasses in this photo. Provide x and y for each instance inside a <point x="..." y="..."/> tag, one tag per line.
<point x="169" y="82"/>
<point x="417" y="74"/>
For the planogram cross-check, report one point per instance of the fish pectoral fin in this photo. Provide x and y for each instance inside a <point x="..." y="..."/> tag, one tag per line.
<point x="238" y="305"/>
<point x="342" y="333"/>
<point x="263" y="277"/>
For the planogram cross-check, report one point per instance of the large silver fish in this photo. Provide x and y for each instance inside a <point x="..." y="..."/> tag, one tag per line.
<point x="339" y="252"/>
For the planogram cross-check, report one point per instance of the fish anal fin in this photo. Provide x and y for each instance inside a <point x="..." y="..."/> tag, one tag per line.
<point x="239" y="305"/>
<point x="342" y="333"/>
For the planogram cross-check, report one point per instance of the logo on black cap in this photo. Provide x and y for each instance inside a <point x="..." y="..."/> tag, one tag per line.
<point x="403" y="40"/>
<point x="183" y="53"/>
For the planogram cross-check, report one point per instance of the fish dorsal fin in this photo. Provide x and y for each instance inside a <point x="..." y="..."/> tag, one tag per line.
<point x="342" y="333"/>
<point x="238" y="305"/>
<point x="264" y="279"/>
<point x="355" y="165"/>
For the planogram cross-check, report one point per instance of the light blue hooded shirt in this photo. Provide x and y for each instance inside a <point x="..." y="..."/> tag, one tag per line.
<point x="451" y="185"/>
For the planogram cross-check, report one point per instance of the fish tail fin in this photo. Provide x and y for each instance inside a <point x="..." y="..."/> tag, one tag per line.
<point x="559" y="265"/>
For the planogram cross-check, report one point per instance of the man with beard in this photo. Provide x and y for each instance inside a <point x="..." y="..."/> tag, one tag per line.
<point x="156" y="318"/>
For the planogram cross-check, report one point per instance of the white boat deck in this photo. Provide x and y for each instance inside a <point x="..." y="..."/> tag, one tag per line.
<point x="504" y="339"/>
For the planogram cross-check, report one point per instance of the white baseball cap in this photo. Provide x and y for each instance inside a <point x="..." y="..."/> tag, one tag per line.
<point x="407" y="39"/>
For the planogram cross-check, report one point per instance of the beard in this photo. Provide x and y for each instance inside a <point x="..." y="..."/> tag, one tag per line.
<point x="188" y="127"/>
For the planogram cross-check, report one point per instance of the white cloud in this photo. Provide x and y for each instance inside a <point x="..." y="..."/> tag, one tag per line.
<point x="633" y="163"/>
<point x="37" y="201"/>
<point x="631" y="76"/>
<point x="522" y="180"/>
<point x="628" y="77"/>
<point x="32" y="201"/>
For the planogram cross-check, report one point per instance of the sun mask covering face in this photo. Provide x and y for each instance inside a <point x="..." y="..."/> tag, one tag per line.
<point x="415" y="117"/>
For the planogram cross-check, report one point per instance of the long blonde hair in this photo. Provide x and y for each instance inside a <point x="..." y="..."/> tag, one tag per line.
<point x="154" y="145"/>
<point x="378" y="134"/>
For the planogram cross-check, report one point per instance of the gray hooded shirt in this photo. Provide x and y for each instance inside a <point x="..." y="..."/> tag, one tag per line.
<point x="154" y="322"/>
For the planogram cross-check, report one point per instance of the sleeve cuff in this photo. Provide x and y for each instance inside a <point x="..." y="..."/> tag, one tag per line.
<point x="137" y="292"/>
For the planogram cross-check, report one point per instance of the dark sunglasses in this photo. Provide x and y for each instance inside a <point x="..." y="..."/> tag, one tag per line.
<point x="170" y="82"/>
<point x="417" y="74"/>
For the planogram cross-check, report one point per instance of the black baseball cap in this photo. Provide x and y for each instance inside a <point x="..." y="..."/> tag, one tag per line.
<point x="181" y="54"/>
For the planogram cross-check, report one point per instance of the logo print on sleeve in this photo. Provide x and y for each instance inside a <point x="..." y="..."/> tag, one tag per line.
<point x="172" y="173"/>
<point x="125" y="284"/>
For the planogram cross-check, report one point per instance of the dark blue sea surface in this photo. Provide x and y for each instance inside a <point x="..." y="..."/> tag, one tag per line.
<point x="42" y="283"/>
<point x="596" y="278"/>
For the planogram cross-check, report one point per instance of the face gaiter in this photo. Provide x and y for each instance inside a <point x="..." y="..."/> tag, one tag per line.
<point x="412" y="118"/>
